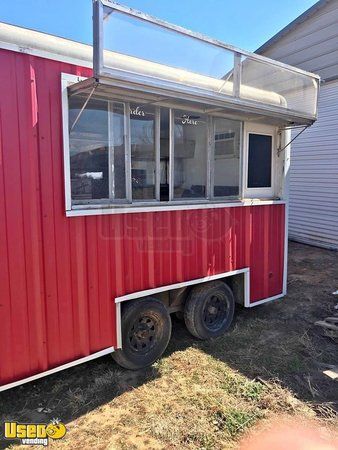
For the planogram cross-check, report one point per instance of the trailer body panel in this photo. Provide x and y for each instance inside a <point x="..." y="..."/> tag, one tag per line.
<point x="59" y="275"/>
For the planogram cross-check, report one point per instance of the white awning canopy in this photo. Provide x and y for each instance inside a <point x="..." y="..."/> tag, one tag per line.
<point x="156" y="60"/>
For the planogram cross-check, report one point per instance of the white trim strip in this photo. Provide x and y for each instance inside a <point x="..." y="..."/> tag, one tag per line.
<point x="286" y="189"/>
<point x="247" y="289"/>
<point x="66" y="81"/>
<point x="118" y="325"/>
<point x="269" y="299"/>
<point x="169" y="287"/>
<point x="103" y="352"/>
<point x="173" y="207"/>
<point x="54" y="56"/>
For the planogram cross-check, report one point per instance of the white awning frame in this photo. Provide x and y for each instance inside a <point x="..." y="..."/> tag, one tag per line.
<point x="106" y="75"/>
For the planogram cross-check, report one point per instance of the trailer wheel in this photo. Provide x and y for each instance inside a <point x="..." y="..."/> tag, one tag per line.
<point x="209" y="309"/>
<point x="146" y="331"/>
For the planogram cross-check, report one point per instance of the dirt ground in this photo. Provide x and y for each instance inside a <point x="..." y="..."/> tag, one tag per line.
<point x="203" y="395"/>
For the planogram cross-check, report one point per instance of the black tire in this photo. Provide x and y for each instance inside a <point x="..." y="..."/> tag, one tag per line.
<point x="209" y="309"/>
<point x="146" y="331"/>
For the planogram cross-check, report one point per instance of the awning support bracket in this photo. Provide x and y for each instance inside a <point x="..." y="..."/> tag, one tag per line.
<point x="304" y="127"/>
<point x="83" y="107"/>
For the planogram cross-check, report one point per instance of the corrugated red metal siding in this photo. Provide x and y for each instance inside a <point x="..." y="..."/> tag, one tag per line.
<point x="58" y="275"/>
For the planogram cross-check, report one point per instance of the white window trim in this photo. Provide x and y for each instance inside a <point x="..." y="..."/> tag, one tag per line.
<point x="66" y="81"/>
<point x="111" y="157"/>
<point x="267" y="130"/>
<point x="212" y="160"/>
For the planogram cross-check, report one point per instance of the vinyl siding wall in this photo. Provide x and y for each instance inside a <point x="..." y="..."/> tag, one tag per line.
<point x="313" y="45"/>
<point x="314" y="176"/>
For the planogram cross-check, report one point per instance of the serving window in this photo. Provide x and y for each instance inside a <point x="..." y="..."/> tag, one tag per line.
<point x="130" y="153"/>
<point x="138" y="153"/>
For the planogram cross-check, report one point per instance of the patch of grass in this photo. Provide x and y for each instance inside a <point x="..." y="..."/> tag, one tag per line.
<point x="252" y="390"/>
<point x="234" y="384"/>
<point x="196" y="402"/>
<point x="235" y="421"/>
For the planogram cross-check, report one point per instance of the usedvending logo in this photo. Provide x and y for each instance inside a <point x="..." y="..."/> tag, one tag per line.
<point x="35" y="433"/>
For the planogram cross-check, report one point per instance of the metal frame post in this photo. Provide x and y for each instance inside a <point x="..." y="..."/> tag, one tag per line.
<point x="97" y="37"/>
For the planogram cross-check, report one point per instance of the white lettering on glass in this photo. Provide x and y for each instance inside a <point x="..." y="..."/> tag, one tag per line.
<point x="187" y="120"/>
<point x="137" y="112"/>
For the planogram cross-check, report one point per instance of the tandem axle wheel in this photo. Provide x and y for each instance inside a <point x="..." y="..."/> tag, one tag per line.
<point x="146" y="323"/>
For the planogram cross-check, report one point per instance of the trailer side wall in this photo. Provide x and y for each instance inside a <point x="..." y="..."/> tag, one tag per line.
<point x="59" y="276"/>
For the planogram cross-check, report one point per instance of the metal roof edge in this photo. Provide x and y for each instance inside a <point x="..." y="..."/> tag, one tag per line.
<point x="292" y="25"/>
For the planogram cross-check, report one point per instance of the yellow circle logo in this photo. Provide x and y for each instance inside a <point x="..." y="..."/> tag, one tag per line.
<point x="56" y="430"/>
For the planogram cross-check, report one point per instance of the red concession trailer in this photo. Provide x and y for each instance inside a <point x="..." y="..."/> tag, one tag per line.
<point x="139" y="178"/>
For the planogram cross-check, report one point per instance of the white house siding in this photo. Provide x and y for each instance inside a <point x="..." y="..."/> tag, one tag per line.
<point x="313" y="216"/>
<point x="312" y="44"/>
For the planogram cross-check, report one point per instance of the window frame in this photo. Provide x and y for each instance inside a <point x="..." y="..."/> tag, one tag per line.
<point x="157" y="143"/>
<point x="111" y="177"/>
<point x="122" y="205"/>
<point x="211" y="162"/>
<point x="172" y="198"/>
<point x="265" y="130"/>
<point x="110" y="200"/>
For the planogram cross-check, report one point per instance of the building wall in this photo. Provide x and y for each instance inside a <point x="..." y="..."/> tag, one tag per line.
<point x="59" y="276"/>
<point x="313" y="214"/>
<point x="313" y="44"/>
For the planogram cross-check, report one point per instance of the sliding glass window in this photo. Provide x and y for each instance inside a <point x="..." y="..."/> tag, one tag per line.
<point x="123" y="153"/>
<point x="225" y="168"/>
<point x="190" y="142"/>
<point x="97" y="150"/>
<point x="143" y="151"/>
<point x="89" y="149"/>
